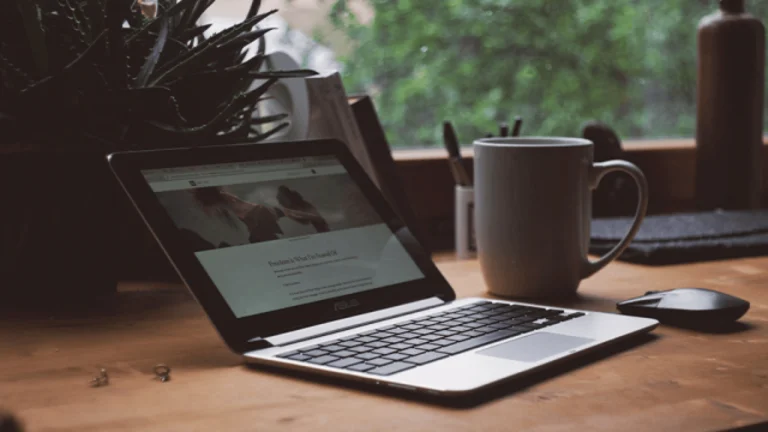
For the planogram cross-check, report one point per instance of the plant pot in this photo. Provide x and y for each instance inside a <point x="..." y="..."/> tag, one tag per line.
<point x="58" y="228"/>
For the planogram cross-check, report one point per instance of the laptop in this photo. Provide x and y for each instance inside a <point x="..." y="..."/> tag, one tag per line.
<point x="300" y="263"/>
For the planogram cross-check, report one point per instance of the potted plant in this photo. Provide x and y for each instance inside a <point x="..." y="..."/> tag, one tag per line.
<point x="80" y="79"/>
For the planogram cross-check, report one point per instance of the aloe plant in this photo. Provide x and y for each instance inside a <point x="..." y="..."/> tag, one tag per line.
<point x="97" y="74"/>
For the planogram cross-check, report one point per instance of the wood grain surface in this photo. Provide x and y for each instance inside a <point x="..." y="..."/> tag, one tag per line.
<point x="675" y="380"/>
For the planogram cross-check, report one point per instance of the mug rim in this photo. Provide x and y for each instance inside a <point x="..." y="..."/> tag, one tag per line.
<point x="533" y="142"/>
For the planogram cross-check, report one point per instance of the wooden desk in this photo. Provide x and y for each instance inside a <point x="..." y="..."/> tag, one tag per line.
<point x="680" y="380"/>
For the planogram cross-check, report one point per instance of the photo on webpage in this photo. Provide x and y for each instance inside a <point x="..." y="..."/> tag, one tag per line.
<point x="224" y="216"/>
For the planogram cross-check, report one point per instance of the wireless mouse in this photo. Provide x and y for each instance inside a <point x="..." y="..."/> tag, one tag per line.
<point x="692" y="307"/>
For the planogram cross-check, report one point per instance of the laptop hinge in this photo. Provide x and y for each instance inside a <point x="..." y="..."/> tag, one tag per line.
<point x="352" y="322"/>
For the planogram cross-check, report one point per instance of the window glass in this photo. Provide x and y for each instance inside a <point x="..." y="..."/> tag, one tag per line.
<point x="556" y="63"/>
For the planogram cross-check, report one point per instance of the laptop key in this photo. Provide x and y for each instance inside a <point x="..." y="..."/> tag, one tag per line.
<point x="392" y="340"/>
<point x="345" y="353"/>
<point x="381" y="335"/>
<point x="289" y="353"/>
<point x="310" y="348"/>
<point x="411" y="351"/>
<point x="332" y="348"/>
<point x="361" y="367"/>
<point x="458" y="338"/>
<point x="376" y="344"/>
<point x="474" y="333"/>
<point x="323" y="359"/>
<point x="514" y="321"/>
<point x="426" y="358"/>
<point x="478" y="341"/>
<point x="536" y="315"/>
<point x="360" y="349"/>
<point x="383" y="351"/>
<point x="365" y="339"/>
<point x="344" y="362"/>
<point x="445" y="333"/>
<point x="411" y="327"/>
<point x="409" y="335"/>
<point x="549" y="313"/>
<point x="522" y="328"/>
<point x="531" y="326"/>
<point x="416" y="341"/>
<point x="379" y="362"/>
<point x="400" y="346"/>
<point x="423" y="331"/>
<point x="367" y="356"/>
<point x="526" y="319"/>
<point x="350" y="344"/>
<point x="315" y="352"/>
<point x="430" y="337"/>
<point x="395" y="357"/>
<point x="443" y="342"/>
<point x="472" y="325"/>
<point x="546" y="322"/>
<point x="427" y="322"/>
<point x="398" y="331"/>
<point x="428" y="347"/>
<point x="299" y="357"/>
<point x="391" y="368"/>
<point x="500" y="325"/>
<point x="516" y="314"/>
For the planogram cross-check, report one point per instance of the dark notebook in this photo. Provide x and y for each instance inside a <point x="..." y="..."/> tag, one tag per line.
<point x="686" y="237"/>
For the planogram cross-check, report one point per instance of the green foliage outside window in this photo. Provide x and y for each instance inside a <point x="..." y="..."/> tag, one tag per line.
<point x="557" y="63"/>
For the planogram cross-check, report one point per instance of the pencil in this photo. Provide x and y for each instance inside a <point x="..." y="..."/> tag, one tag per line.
<point x="518" y="125"/>
<point x="456" y="163"/>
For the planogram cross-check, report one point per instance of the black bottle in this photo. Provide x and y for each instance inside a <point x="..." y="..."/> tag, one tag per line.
<point x="729" y="108"/>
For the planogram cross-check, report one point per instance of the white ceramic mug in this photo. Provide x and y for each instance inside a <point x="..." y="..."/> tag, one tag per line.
<point x="533" y="207"/>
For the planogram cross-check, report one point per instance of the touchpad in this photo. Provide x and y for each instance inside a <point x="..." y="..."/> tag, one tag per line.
<point x="535" y="347"/>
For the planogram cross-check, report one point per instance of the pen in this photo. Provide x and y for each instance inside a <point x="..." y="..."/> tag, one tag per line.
<point x="504" y="130"/>
<point x="517" y="126"/>
<point x="459" y="174"/>
<point x="457" y="165"/>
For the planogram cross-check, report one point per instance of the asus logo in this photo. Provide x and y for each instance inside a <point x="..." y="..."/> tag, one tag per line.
<point x="340" y="306"/>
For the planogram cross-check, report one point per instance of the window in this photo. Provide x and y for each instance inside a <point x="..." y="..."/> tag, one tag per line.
<point x="629" y="63"/>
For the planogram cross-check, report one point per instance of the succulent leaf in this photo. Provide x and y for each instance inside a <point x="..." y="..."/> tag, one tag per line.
<point x="149" y="66"/>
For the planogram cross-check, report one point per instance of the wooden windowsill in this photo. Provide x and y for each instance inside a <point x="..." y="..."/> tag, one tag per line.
<point x="633" y="146"/>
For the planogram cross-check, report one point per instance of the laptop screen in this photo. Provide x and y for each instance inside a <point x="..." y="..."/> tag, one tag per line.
<point x="280" y="233"/>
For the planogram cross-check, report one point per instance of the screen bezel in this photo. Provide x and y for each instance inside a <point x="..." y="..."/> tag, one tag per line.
<point x="127" y="166"/>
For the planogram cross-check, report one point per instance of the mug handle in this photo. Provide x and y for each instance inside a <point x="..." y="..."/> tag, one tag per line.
<point x="596" y="173"/>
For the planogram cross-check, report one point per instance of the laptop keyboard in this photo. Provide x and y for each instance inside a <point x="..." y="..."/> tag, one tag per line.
<point x="408" y="344"/>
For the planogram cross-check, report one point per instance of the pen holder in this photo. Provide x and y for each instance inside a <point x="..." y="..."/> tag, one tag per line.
<point x="466" y="247"/>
